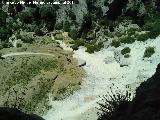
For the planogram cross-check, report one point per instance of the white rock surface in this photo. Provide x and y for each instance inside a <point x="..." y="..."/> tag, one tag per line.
<point x="101" y="76"/>
<point x="81" y="62"/>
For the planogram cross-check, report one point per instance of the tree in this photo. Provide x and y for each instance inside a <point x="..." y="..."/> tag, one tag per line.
<point x="66" y="26"/>
<point x="48" y="14"/>
<point x="73" y="34"/>
<point x="38" y="32"/>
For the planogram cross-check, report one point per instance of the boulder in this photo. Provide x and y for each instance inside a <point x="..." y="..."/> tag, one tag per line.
<point x="81" y="62"/>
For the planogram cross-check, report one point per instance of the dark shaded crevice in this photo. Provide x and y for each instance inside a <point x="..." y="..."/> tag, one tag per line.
<point x="115" y="9"/>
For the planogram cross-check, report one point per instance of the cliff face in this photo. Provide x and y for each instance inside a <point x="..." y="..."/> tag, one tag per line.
<point x="145" y="105"/>
<point x="71" y="17"/>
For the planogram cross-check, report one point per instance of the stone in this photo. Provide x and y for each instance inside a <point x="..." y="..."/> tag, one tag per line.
<point x="81" y="62"/>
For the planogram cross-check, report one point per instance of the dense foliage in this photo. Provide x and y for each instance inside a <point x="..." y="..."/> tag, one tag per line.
<point x="125" y="50"/>
<point x="149" y="52"/>
<point x="42" y="19"/>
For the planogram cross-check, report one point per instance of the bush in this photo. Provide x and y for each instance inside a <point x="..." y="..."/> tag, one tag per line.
<point x="6" y="44"/>
<point x="113" y="105"/>
<point x="72" y="15"/>
<point x="19" y="45"/>
<point x="131" y="31"/>
<point x="73" y="34"/>
<point x="128" y="40"/>
<point x="153" y="27"/>
<point x="153" y="34"/>
<point x="79" y="42"/>
<point x="106" y="3"/>
<point x="125" y="50"/>
<point x="105" y="22"/>
<point x="126" y="55"/>
<point x="115" y="43"/>
<point x="1" y="47"/>
<point x="91" y="48"/>
<point x="142" y="37"/>
<point x="58" y="26"/>
<point x="66" y="26"/>
<point x="38" y="32"/>
<point x="75" y="47"/>
<point x="149" y="52"/>
<point x="27" y="39"/>
<point x="5" y="33"/>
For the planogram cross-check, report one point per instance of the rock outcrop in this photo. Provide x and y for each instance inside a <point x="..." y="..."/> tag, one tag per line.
<point x="81" y="62"/>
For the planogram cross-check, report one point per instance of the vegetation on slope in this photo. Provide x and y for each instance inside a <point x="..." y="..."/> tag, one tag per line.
<point x="149" y="51"/>
<point x="26" y="80"/>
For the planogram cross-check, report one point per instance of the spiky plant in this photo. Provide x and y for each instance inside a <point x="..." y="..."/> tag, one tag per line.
<point x="113" y="106"/>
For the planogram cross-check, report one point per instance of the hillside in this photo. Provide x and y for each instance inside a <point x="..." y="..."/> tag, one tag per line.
<point x="62" y="61"/>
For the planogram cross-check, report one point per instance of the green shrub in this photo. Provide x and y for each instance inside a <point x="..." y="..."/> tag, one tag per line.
<point x="6" y="44"/>
<point x="71" y="42"/>
<point x="115" y="43"/>
<point x="149" y="52"/>
<point x="125" y="50"/>
<point x="112" y="105"/>
<point x="153" y="34"/>
<point x="131" y="31"/>
<point x="126" y="55"/>
<point x="38" y="32"/>
<point x="122" y="18"/>
<point x="148" y="26"/>
<point x="18" y="36"/>
<point x="106" y="3"/>
<point x="100" y="45"/>
<point x="142" y="37"/>
<point x="73" y="34"/>
<point x="153" y="27"/>
<point x="84" y="35"/>
<point x="66" y="26"/>
<point x="58" y="26"/>
<point x="1" y="47"/>
<point x="72" y="15"/>
<point x="27" y="39"/>
<point x="104" y="22"/>
<point x="79" y="42"/>
<point x="128" y="40"/>
<point x="91" y="48"/>
<point x="5" y="33"/>
<point x="118" y="34"/>
<point x="19" y="45"/>
<point x="74" y="47"/>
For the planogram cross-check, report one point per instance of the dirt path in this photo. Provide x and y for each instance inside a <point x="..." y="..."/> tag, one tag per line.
<point x="25" y="53"/>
